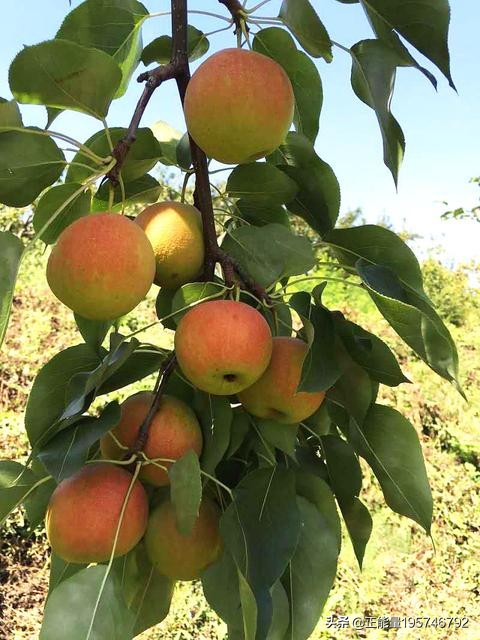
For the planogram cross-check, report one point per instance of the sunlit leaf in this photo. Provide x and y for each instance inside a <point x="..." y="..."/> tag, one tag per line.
<point x="269" y="253"/>
<point x="261" y="182"/>
<point x="47" y="397"/>
<point x="143" y="155"/>
<point x="65" y="75"/>
<point x="160" y="49"/>
<point x="11" y="249"/>
<point x="391" y="447"/>
<point x="113" y="26"/>
<point x="10" y="115"/>
<point x="302" y="20"/>
<point x="318" y="198"/>
<point x="47" y="208"/>
<point x="29" y="162"/>
<point x="374" y="66"/>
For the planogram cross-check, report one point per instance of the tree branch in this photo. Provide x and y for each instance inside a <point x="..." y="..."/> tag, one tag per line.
<point x="165" y="372"/>
<point x="178" y="69"/>
<point x="236" y="10"/>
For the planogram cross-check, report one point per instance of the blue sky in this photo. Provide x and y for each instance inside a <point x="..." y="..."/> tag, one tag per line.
<point x="442" y="129"/>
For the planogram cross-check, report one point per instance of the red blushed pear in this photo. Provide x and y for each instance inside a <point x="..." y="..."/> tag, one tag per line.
<point x="173" y="431"/>
<point x="274" y="395"/>
<point x="223" y="346"/>
<point x="183" y="557"/>
<point x="102" y="266"/>
<point x="239" y="106"/>
<point x="175" y="231"/>
<point x="84" y="512"/>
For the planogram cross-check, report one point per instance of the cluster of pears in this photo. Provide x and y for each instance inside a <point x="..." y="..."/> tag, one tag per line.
<point x="223" y="347"/>
<point x="238" y="107"/>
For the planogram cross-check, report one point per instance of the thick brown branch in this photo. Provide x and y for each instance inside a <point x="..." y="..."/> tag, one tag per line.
<point x="236" y="10"/>
<point x="165" y="372"/>
<point x="153" y="79"/>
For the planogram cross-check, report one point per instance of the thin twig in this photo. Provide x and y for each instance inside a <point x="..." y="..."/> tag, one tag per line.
<point x="163" y="376"/>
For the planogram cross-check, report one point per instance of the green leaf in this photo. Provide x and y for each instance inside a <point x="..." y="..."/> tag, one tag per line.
<point x="379" y="246"/>
<point x="390" y="445"/>
<point x="47" y="398"/>
<point x="370" y="352"/>
<point x="359" y="525"/>
<point x="186" y="491"/>
<point x="95" y="607"/>
<point x="249" y="608"/>
<point x="37" y="501"/>
<point x="67" y="452"/>
<point x="215" y="415"/>
<point x="279" y="319"/>
<point x="143" y="190"/>
<point x="61" y="570"/>
<point x="221" y="588"/>
<point x="261" y="529"/>
<point x="52" y="114"/>
<point x="260" y="214"/>
<point x="146" y="592"/>
<point x="192" y="293"/>
<point x="65" y="75"/>
<point x="318" y="197"/>
<point x="222" y="592"/>
<point x="11" y="250"/>
<point x="307" y="85"/>
<point x="10" y="115"/>
<point x="113" y="26"/>
<point x="311" y="572"/>
<point x="163" y="308"/>
<point x="384" y="32"/>
<point x="261" y="182"/>
<point x="183" y="152"/>
<point x="281" y="615"/>
<point x="29" y="162"/>
<point x="393" y="278"/>
<point x="423" y="23"/>
<point x="142" y="362"/>
<point x="321" y="368"/>
<point x="317" y="491"/>
<point x="413" y="318"/>
<point x="16" y="482"/>
<point x="168" y="139"/>
<point x="47" y="208"/>
<point x="354" y="389"/>
<point x="240" y="428"/>
<point x="160" y="49"/>
<point x="343" y="467"/>
<point x="374" y="66"/>
<point x="320" y="421"/>
<point x="281" y="436"/>
<point x="93" y="331"/>
<point x="302" y="20"/>
<point x="269" y="253"/>
<point x="143" y="155"/>
<point x="85" y="385"/>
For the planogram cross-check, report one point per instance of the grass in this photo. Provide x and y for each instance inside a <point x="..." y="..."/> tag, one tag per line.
<point x="404" y="574"/>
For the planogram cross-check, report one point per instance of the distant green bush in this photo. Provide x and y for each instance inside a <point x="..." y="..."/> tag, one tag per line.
<point x="452" y="291"/>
